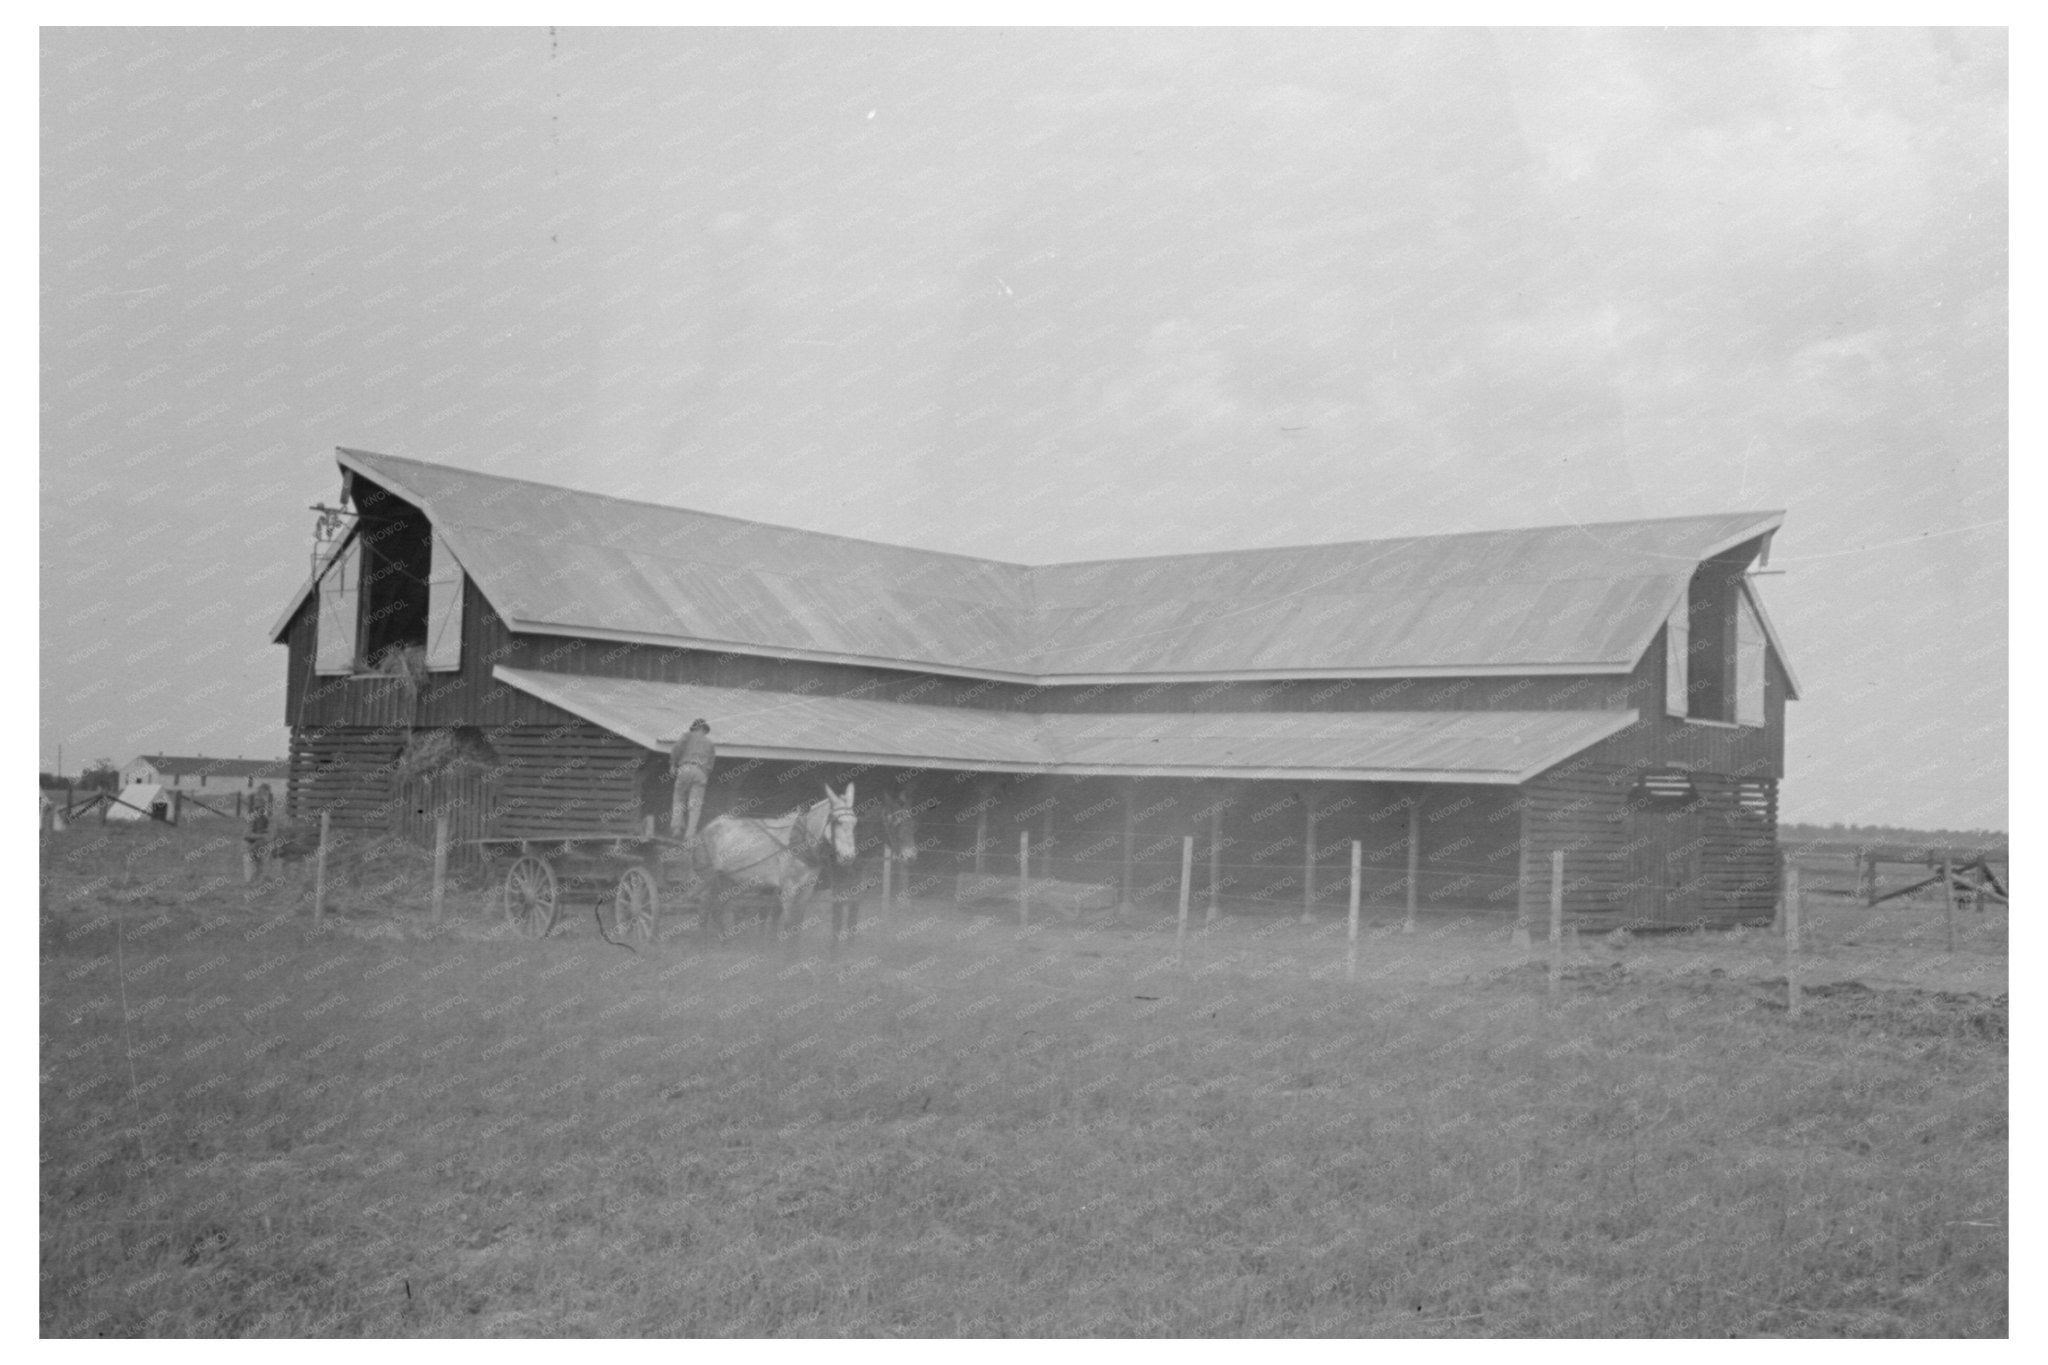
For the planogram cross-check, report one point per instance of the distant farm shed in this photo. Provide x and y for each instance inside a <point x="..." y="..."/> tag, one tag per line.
<point x="1464" y="704"/>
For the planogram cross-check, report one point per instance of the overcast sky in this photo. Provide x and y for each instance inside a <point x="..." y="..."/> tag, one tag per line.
<point x="1041" y="295"/>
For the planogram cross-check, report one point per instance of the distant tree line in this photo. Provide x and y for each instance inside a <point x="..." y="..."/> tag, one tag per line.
<point x="101" y="776"/>
<point x="1838" y="833"/>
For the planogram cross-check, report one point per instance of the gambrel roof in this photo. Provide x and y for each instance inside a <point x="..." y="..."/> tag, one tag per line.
<point x="1584" y="599"/>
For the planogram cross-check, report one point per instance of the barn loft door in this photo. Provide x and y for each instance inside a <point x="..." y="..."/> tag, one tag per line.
<point x="1666" y="875"/>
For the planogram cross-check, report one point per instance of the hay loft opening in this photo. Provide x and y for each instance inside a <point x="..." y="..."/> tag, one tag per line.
<point x="1715" y="645"/>
<point x="398" y="555"/>
<point x="390" y="600"/>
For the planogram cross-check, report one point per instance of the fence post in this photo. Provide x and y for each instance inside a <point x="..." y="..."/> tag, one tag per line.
<point x="1024" y="876"/>
<point x="1792" y="941"/>
<point x="888" y="881"/>
<point x="1215" y="860"/>
<point x="1556" y="917"/>
<point x="1778" y="914"/>
<point x="981" y="840"/>
<point x="1524" y="889"/>
<point x="440" y="863"/>
<point x="1414" y="859"/>
<point x="1308" y="862"/>
<point x="1130" y="848"/>
<point x="320" y="873"/>
<point x="1351" y="957"/>
<point x="177" y="806"/>
<point x="238" y="805"/>
<point x="105" y="804"/>
<point x="1187" y="866"/>
<point x="1948" y="896"/>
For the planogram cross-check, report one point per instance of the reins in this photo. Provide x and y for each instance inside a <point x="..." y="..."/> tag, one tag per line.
<point x="597" y="913"/>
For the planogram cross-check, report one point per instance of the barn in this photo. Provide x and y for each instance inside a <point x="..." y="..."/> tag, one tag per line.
<point x="1465" y="705"/>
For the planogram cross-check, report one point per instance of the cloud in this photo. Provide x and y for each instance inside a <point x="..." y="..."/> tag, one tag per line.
<point x="1569" y="340"/>
<point x="1702" y="154"/>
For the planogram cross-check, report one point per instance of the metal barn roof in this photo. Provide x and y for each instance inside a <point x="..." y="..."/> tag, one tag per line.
<point x="1499" y="747"/>
<point x="1568" y="599"/>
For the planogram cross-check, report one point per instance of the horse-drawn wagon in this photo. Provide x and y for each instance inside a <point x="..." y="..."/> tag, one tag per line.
<point x="541" y="873"/>
<point x="643" y="872"/>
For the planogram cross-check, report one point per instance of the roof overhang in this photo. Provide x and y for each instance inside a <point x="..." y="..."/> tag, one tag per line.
<point x="1501" y="748"/>
<point x="526" y="626"/>
<point x="1766" y="527"/>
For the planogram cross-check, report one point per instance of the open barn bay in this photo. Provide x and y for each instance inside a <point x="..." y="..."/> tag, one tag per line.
<point x="957" y="1126"/>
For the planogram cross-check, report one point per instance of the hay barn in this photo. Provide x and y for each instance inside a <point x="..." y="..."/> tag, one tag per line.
<point x="522" y="656"/>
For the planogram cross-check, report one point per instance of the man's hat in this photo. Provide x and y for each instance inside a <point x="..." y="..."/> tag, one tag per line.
<point x="700" y="725"/>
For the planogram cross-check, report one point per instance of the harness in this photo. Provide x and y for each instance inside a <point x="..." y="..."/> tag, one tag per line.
<point x="802" y="849"/>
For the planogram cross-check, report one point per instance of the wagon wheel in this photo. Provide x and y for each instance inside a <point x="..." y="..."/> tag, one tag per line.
<point x="636" y="906"/>
<point x="530" y="896"/>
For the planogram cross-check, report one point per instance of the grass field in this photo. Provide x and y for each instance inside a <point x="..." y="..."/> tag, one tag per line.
<point x="955" y="1126"/>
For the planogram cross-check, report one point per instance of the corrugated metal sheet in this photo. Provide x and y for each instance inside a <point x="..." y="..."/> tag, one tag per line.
<point x="1413" y="746"/>
<point x="1555" y="599"/>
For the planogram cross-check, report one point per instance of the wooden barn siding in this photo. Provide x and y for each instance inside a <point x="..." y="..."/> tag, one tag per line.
<point x="469" y="801"/>
<point x="1582" y="808"/>
<point x="346" y="771"/>
<point x="1739" y="856"/>
<point x="573" y="777"/>
<point x="567" y="777"/>
<point x="469" y="696"/>
<point x="1657" y="740"/>
<point x="1561" y="693"/>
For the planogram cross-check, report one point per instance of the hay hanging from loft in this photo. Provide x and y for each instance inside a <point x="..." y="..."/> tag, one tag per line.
<point x="402" y="661"/>
<point x="447" y="753"/>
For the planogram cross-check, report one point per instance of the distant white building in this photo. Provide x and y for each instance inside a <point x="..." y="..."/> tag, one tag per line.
<point x="174" y="772"/>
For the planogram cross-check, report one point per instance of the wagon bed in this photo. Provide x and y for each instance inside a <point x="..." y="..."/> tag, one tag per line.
<point x="541" y="867"/>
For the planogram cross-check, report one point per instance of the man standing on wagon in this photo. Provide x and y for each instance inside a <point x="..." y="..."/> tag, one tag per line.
<point x="691" y="763"/>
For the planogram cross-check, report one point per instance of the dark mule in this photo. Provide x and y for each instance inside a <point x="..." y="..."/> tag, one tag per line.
<point x="844" y="884"/>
